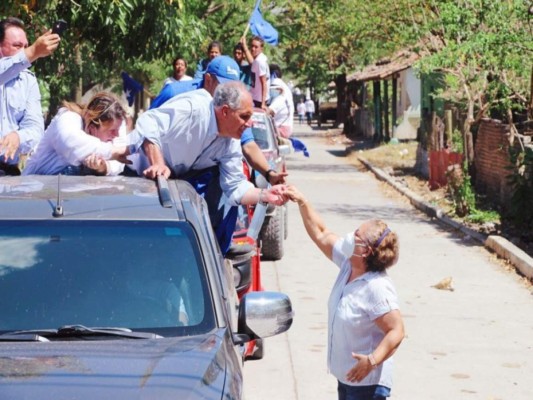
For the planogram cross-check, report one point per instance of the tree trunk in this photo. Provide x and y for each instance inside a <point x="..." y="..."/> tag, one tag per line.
<point x="78" y="89"/>
<point x="530" y="110"/>
<point x="467" y="135"/>
<point x="342" y="103"/>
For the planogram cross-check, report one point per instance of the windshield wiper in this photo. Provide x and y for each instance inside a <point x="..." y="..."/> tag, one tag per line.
<point x="77" y="331"/>
<point x="80" y="330"/>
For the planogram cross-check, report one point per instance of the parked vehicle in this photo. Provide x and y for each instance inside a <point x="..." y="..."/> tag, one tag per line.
<point x="115" y="287"/>
<point x="327" y="111"/>
<point x="275" y="227"/>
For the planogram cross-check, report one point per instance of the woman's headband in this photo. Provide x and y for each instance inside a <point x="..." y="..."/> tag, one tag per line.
<point x="383" y="236"/>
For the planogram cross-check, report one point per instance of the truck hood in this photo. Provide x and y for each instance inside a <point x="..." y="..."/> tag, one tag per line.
<point x="177" y="368"/>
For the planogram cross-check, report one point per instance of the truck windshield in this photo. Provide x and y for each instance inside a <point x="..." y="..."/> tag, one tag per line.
<point x="133" y="274"/>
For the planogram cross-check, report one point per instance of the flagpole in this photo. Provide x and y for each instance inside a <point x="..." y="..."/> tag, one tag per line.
<point x="246" y="30"/>
<point x="257" y="4"/>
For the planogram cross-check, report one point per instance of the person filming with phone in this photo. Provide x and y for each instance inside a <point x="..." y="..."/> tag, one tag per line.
<point x="21" y="117"/>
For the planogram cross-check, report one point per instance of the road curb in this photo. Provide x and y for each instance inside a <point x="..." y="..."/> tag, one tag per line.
<point x="499" y="245"/>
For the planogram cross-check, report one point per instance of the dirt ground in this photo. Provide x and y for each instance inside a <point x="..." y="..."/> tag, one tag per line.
<point x="398" y="160"/>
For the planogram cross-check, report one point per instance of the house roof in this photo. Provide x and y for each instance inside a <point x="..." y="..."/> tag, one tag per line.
<point x="400" y="61"/>
<point x="386" y="67"/>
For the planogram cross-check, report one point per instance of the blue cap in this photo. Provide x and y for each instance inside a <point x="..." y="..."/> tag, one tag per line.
<point x="224" y="68"/>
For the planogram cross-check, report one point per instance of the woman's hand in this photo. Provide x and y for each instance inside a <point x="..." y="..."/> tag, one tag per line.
<point x="294" y="194"/>
<point x="96" y="163"/>
<point x="361" y="369"/>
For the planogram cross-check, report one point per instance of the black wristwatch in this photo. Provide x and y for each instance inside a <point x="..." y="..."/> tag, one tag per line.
<point x="268" y="173"/>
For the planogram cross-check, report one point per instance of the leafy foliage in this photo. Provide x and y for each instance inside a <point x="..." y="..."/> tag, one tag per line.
<point x="105" y="37"/>
<point x="521" y="180"/>
<point x="486" y="53"/>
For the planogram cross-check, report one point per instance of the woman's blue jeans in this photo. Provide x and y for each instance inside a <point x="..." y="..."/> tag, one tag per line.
<point x="374" y="392"/>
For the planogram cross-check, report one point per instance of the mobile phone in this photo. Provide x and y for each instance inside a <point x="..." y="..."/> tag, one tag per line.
<point x="59" y="27"/>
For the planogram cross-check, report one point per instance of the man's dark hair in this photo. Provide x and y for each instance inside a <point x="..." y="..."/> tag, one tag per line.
<point x="8" y="23"/>
<point x="214" y="43"/>
<point x="238" y="46"/>
<point x="275" y="70"/>
<point x="258" y="39"/>
<point x="177" y="59"/>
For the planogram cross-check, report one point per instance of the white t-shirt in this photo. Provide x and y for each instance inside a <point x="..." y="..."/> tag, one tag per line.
<point x="260" y="68"/>
<point x="301" y="108"/>
<point x="171" y="79"/>
<point x="283" y="106"/>
<point x="309" y="106"/>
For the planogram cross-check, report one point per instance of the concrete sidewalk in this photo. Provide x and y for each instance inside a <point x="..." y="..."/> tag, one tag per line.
<point x="472" y="342"/>
<point x="498" y="244"/>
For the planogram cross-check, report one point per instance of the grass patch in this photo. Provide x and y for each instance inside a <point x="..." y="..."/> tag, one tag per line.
<point x="401" y="156"/>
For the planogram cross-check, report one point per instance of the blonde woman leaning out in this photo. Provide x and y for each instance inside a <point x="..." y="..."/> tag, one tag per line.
<point x="364" y="323"/>
<point x="79" y="140"/>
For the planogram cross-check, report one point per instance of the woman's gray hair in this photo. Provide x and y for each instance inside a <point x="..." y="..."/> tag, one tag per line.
<point x="229" y="94"/>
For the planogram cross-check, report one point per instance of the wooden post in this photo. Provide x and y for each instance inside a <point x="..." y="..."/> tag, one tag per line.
<point x="394" y="102"/>
<point x="377" y="111"/>
<point x="386" y="134"/>
<point x="448" y="125"/>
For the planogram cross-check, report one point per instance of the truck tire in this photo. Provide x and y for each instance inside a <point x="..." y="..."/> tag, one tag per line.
<point x="271" y="236"/>
<point x="285" y="222"/>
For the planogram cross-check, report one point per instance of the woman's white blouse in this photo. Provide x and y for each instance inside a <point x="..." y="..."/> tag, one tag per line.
<point x="352" y="309"/>
<point x="65" y="143"/>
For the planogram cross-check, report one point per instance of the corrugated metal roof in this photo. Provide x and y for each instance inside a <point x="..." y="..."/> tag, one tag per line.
<point x="400" y="61"/>
<point x="385" y="68"/>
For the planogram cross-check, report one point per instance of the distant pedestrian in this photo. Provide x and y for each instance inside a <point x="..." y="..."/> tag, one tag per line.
<point x="300" y="109"/>
<point x="365" y="325"/>
<point x="309" y="110"/>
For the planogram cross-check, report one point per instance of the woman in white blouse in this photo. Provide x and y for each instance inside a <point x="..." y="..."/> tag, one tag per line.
<point x="365" y="326"/>
<point x="79" y="140"/>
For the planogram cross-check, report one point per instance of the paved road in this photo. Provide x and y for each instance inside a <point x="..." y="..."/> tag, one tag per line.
<point x="475" y="342"/>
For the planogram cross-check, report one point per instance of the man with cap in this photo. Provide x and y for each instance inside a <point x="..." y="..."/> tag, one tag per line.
<point x="220" y="70"/>
<point x="223" y="69"/>
<point x="195" y="136"/>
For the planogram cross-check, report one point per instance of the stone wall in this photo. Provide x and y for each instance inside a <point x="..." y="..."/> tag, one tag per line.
<point x="492" y="160"/>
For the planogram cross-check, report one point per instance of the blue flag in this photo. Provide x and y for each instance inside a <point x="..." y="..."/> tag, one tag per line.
<point x="298" y="145"/>
<point x="131" y="87"/>
<point x="261" y="28"/>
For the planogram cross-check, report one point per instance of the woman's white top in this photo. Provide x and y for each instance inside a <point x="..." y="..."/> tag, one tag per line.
<point x="66" y="143"/>
<point x="352" y="308"/>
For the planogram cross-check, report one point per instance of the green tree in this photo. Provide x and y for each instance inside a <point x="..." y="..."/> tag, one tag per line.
<point x="327" y="40"/>
<point x="105" y="37"/>
<point x="485" y="52"/>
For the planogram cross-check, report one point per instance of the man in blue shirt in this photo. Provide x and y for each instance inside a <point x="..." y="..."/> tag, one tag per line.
<point x="21" y="117"/>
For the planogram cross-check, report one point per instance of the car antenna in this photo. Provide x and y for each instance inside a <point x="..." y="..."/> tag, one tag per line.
<point x="58" y="210"/>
